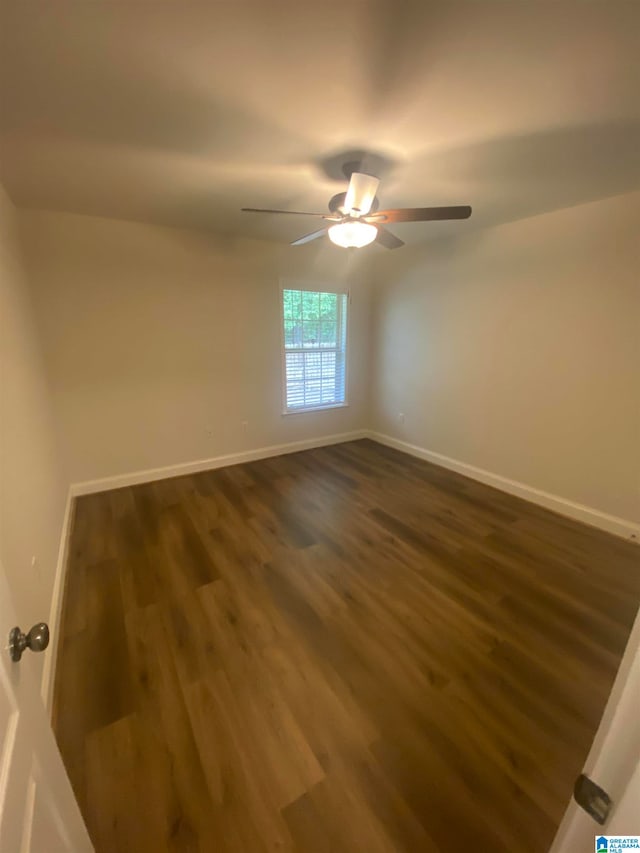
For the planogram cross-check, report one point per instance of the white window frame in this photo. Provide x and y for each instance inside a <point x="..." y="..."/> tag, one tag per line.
<point x="313" y="287"/>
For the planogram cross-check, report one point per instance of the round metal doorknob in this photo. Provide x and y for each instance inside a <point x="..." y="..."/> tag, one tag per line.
<point x="37" y="640"/>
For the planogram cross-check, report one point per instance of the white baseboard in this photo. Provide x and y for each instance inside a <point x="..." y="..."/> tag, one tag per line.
<point x="57" y="597"/>
<point x="579" y="512"/>
<point x="136" y="477"/>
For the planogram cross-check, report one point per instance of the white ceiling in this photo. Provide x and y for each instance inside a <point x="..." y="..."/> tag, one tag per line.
<point x="182" y="112"/>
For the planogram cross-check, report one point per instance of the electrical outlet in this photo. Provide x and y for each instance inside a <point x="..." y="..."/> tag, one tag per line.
<point x="401" y="417"/>
<point x="244" y="425"/>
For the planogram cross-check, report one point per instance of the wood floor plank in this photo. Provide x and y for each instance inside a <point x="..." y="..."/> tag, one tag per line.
<point x="291" y="768"/>
<point x="245" y="808"/>
<point x="100" y="653"/>
<point x="110" y="752"/>
<point x="161" y="706"/>
<point x="139" y="577"/>
<point x="342" y="649"/>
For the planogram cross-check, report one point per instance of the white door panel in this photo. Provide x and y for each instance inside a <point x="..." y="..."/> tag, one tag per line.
<point x="38" y="812"/>
<point x="45" y="830"/>
<point x="16" y="761"/>
<point x="613" y="762"/>
<point x="625" y="820"/>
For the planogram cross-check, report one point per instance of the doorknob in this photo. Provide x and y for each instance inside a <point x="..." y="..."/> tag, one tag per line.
<point x="37" y="640"/>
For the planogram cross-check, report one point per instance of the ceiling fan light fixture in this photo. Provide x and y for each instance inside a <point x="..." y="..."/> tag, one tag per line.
<point x="352" y="234"/>
<point x="360" y="194"/>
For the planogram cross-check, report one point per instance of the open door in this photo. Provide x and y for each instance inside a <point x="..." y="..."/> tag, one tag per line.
<point x="613" y="763"/>
<point x="38" y="811"/>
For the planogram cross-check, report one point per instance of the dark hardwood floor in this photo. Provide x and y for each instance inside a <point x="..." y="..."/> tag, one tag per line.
<point x="345" y="649"/>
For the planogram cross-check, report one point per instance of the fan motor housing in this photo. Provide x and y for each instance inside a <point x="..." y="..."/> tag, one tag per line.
<point x="336" y="204"/>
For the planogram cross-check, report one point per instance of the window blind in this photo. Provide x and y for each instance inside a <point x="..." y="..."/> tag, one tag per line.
<point x="315" y="342"/>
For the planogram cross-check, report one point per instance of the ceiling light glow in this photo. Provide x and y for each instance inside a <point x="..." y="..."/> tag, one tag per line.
<point x="352" y="234"/>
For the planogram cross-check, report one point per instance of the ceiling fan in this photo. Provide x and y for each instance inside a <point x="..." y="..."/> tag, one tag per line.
<point x="357" y="220"/>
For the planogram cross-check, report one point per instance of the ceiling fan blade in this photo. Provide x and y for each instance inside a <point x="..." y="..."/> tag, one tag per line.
<point x="361" y="193"/>
<point x="309" y="237"/>
<point x="387" y="239"/>
<point x="293" y="212"/>
<point x="419" y="214"/>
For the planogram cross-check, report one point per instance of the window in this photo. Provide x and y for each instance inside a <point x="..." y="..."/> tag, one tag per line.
<point x="314" y="352"/>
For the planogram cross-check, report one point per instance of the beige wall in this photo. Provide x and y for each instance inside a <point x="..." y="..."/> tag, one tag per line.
<point x="514" y="349"/>
<point x="33" y="490"/>
<point x="517" y="350"/>
<point x="160" y="342"/>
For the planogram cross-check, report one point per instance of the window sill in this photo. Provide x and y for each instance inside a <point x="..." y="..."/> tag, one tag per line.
<point x="315" y="409"/>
